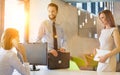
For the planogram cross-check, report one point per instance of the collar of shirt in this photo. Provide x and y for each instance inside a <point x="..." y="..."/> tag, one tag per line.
<point x="51" y="22"/>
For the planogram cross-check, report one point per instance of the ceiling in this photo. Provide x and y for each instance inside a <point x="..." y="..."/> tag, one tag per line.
<point x="89" y="0"/>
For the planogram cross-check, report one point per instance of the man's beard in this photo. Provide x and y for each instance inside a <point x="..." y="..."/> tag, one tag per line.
<point x="52" y="18"/>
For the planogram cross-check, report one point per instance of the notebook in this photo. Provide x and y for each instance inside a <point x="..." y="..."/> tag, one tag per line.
<point x="59" y="62"/>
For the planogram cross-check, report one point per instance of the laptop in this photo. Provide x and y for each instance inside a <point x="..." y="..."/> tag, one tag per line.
<point x="59" y="62"/>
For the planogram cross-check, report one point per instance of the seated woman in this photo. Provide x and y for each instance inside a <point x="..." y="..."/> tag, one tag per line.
<point x="8" y="59"/>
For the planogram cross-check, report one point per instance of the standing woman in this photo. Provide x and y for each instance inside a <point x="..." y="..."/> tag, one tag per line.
<point x="109" y="40"/>
<point x="8" y="59"/>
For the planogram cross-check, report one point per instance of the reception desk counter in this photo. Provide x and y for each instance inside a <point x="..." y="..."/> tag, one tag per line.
<point x="66" y="72"/>
<point x="44" y="71"/>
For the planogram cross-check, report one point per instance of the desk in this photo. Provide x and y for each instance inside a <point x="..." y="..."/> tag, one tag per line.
<point x="66" y="72"/>
<point x="44" y="71"/>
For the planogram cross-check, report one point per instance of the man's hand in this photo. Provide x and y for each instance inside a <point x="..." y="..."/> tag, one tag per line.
<point x="54" y="52"/>
<point x="62" y="50"/>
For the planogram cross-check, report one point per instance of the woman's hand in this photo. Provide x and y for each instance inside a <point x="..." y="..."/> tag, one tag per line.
<point x="15" y="42"/>
<point x="103" y="59"/>
<point x="21" y="49"/>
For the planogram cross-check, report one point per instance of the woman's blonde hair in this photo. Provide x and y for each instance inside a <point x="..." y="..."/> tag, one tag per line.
<point x="7" y="37"/>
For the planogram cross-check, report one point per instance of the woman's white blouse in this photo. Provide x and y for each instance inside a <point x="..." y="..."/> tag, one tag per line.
<point x="9" y="62"/>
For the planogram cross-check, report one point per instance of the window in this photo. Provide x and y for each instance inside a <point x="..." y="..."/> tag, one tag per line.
<point x="84" y="6"/>
<point x="100" y="6"/>
<point x="15" y="16"/>
<point x="93" y="7"/>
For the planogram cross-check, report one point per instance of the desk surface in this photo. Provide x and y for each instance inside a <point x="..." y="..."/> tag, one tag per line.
<point x="44" y="71"/>
<point x="65" y="72"/>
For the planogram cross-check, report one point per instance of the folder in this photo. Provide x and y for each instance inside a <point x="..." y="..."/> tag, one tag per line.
<point x="101" y="53"/>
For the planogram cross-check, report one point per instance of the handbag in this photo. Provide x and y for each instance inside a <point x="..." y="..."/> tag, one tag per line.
<point x="59" y="62"/>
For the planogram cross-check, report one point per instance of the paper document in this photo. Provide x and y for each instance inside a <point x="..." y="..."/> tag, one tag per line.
<point x="101" y="53"/>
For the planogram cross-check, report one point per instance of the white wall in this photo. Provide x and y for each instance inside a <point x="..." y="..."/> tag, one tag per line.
<point x="38" y="13"/>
